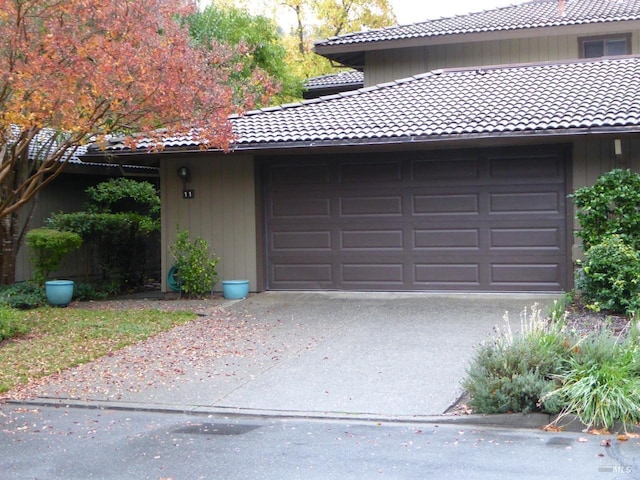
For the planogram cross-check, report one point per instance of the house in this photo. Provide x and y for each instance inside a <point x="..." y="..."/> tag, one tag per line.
<point x="448" y="171"/>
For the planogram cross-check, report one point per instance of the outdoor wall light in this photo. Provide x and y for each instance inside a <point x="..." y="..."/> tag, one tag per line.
<point x="617" y="147"/>
<point x="184" y="174"/>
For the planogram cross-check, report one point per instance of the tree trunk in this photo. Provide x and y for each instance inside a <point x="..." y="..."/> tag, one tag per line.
<point x="9" y="251"/>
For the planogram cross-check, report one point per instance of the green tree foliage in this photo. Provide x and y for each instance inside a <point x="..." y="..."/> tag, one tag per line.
<point x="345" y="16"/>
<point x="321" y="19"/>
<point x="258" y="43"/>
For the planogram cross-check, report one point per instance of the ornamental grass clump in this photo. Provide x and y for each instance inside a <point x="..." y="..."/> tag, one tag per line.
<point x="514" y="372"/>
<point x="601" y="383"/>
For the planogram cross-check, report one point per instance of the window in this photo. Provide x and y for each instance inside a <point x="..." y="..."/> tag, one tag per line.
<point x="608" y="46"/>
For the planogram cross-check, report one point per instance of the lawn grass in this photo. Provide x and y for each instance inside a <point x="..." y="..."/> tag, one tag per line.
<point x="60" y="338"/>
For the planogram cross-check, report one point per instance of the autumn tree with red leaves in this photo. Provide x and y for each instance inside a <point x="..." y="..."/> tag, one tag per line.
<point x="76" y="71"/>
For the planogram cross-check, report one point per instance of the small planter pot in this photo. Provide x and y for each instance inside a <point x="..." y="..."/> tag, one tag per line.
<point x="59" y="292"/>
<point x="234" y="289"/>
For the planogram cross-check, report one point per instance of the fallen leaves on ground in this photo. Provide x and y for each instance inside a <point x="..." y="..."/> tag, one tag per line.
<point x="203" y="348"/>
<point x="552" y="428"/>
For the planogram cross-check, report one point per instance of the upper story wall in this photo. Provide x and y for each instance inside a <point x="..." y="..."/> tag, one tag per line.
<point x="387" y="65"/>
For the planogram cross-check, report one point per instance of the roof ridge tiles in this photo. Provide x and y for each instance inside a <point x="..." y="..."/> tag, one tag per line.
<point x="531" y="14"/>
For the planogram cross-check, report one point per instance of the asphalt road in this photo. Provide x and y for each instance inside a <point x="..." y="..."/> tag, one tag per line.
<point x="77" y="443"/>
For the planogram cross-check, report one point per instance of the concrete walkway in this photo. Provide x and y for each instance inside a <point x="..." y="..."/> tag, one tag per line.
<point x="386" y="355"/>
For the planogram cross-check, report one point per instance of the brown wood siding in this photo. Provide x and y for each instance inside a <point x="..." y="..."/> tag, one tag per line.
<point x="479" y="220"/>
<point x="388" y="65"/>
<point x="222" y="212"/>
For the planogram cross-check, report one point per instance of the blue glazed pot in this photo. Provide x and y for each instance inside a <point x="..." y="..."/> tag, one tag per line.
<point x="59" y="292"/>
<point x="233" y="289"/>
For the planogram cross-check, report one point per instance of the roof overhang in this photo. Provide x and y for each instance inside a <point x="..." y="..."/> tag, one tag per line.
<point x="379" y="144"/>
<point x="353" y="54"/>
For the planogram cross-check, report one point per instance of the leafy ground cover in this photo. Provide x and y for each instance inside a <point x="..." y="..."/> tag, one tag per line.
<point x="55" y="339"/>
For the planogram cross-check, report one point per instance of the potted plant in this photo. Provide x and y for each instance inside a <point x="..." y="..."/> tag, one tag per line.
<point x="48" y="248"/>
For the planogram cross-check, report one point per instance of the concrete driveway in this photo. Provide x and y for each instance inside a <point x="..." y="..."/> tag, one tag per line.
<point x="325" y="354"/>
<point x="365" y="353"/>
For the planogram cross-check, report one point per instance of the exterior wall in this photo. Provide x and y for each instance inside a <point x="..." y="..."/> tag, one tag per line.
<point x="223" y="212"/>
<point x="388" y="65"/>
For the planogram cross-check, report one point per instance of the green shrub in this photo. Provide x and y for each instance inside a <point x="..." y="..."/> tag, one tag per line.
<point x="22" y="296"/>
<point x="119" y="221"/>
<point x="610" y="276"/>
<point x="127" y="195"/>
<point x="195" y="265"/>
<point x="11" y="323"/>
<point x="610" y="207"/>
<point x="513" y="373"/>
<point x="88" y="291"/>
<point x="48" y="248"/>
<point x="601" y="384"/>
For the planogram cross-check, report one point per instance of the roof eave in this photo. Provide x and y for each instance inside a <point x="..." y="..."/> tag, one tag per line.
<point x="448" y="138"/>
<point x="353" y="53"/>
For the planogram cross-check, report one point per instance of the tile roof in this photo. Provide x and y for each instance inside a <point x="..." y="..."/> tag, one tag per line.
<point x="46" y="142"/>
<point x="348" y="77"/>
<point x="585" y="96"/>
<point x="593" y="95"/>
<point x="532" y="14"/>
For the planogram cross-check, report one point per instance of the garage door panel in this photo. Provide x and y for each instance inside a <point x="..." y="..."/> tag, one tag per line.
<point x="302" y="208"/>
<point x="526" y="169"/>
<point x="448" y="275"/>
<point x="526" y="202"/>
<point x="446" y="204"/>
<point x="371" y="206"/>
<point x="371" y="172"/>
<point x="527" y="239"/>
<point x="303" y="272"/>
<point x="301" y="240"/>
<point x="288" y="175"/>
<point x="526" y="274"/>
<point x="434" y="172"/>
<point x="373" y="273"/>
<point x="446" y="239"/>
<point x="428" y="221"/>
<point x="372" y="240"/>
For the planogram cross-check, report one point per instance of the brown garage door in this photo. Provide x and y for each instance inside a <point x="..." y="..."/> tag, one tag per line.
<point x="476" y="221"/>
